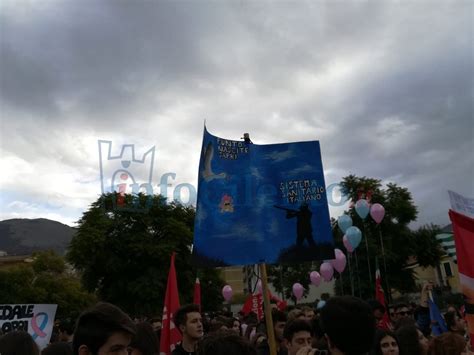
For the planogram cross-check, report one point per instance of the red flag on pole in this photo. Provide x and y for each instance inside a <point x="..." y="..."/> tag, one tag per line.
<point x="197" y="293"/>
<point x="384" y="323"/>
<point x="170" y="335"/>
<point x="281" y="304"/>
<point x="254" y="303"/>
<point x="463" y="228"/>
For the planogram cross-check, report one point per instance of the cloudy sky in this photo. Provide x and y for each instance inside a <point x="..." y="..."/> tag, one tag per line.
<point x="387" y="88"/>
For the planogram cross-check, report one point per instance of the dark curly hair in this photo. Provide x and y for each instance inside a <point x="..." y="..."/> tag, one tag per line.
<point x="225" y="343"/>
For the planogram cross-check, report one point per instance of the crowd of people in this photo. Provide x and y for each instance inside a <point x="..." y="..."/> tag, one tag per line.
<point x="344" y="325"/>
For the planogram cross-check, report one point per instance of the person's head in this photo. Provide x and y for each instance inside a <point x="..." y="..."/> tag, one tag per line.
<point x="402" y="310"/>
<point x="61" y="348"/>
<point x="411" y="341"/>
<point x="296" y="314"/>
<point x="251" y="317"/>
<point x="308" y="313"/>
<point x="279" y="322"/>
<point x="250" y="330"/>
<point x="66" y="329"/>
<point x="189" y="321"/>
<point x="385" y="343"/>
<point x="447" y="343"/>
<point x="377" y="309"/>
<point x="236" y="325"/>
<point x="217" y="325"/>
<point x="453" y="308"/>
<point x="348" y="324"/>
<point x="228" y="324"/>
<point x="145" y="341"/>
<point x="18" y="342"/>
<point x="225" y="343"/>
<point x="102" y="329"/>
<point x="391" y="312"/>
<point x="297" y="334"/>
<point x="156" y="323"/>
<point x="455" y="323"/>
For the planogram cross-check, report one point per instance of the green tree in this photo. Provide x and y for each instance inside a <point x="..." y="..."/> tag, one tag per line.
<point x="283" y="277"/>
<point x="399" y="242"/>
<point x="123" y="252"/>
<point x="45" y="280"/>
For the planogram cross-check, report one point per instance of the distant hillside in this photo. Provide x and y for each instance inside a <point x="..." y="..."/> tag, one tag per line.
<point x="24" y="236"/>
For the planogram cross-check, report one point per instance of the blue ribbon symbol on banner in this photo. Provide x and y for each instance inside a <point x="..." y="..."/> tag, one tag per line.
<point x="38" y="330"/>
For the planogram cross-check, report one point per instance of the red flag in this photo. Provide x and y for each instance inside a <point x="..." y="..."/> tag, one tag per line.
<point x="384" y="323"/>
<point x="463" y="228"/>
<point x="170" y="335"/>
<point x="281" y="305"/>
<point x="254" y="303"/>
<point x="197" y="293"/>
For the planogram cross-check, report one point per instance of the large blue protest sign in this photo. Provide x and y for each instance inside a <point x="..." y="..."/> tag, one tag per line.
<point x="261" y="203"/>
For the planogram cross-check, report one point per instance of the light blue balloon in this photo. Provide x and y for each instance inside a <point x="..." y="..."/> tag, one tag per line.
<point x="344" y="222"/>
<point x="354" y="236"/>
<point x="362" y="208"/>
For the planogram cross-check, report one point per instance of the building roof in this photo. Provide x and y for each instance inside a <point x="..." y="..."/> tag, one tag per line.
<point x="447" y="229"/>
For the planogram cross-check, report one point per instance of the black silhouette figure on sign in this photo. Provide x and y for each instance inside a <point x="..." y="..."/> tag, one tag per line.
<point x="304" y="230"/>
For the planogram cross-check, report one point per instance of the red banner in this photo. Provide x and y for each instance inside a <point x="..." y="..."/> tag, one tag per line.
<point x="254" y="303"/>
<point x="463" y="228"/>
<point x="170" y="335"/>
<point x="384" y="323"/>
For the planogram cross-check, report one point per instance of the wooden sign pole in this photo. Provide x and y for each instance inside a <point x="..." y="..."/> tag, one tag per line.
<point x="268" y="311"/>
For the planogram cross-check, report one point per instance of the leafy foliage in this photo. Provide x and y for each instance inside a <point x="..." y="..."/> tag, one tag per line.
<point x="427" y="248"/>
<point x="123" y="253"/>
<point x="399" y="243"/>
<point x="45" y="280"/>
<point x="285" y="275"/>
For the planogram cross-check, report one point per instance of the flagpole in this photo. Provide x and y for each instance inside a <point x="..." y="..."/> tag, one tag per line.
<point x="268" y="310"/>
<point x="357" y="272"/>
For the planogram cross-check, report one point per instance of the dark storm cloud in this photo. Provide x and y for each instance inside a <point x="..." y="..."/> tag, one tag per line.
<point x="386" y="86"/>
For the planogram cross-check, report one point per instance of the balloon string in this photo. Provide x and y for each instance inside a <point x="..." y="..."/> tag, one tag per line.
<point x="366" y="235"/>
<point x="387" y="284"/>
<point x="357" y="272"/>
<point x="350" y="275"/>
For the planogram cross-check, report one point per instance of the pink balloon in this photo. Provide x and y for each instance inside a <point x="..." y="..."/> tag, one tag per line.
<point x="259" y="286"/>
<point x="298" y="290"/>
<point x="326" y="270"/>
<point x="227" y="292"/>
<point x="347" y="244"/>
<point x="377" y="212"/>
<point x="315" y="278"/>
<point x="340" y="262"/>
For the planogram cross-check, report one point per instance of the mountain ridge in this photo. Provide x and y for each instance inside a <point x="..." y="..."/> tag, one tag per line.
<point x="23" y="236"/>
